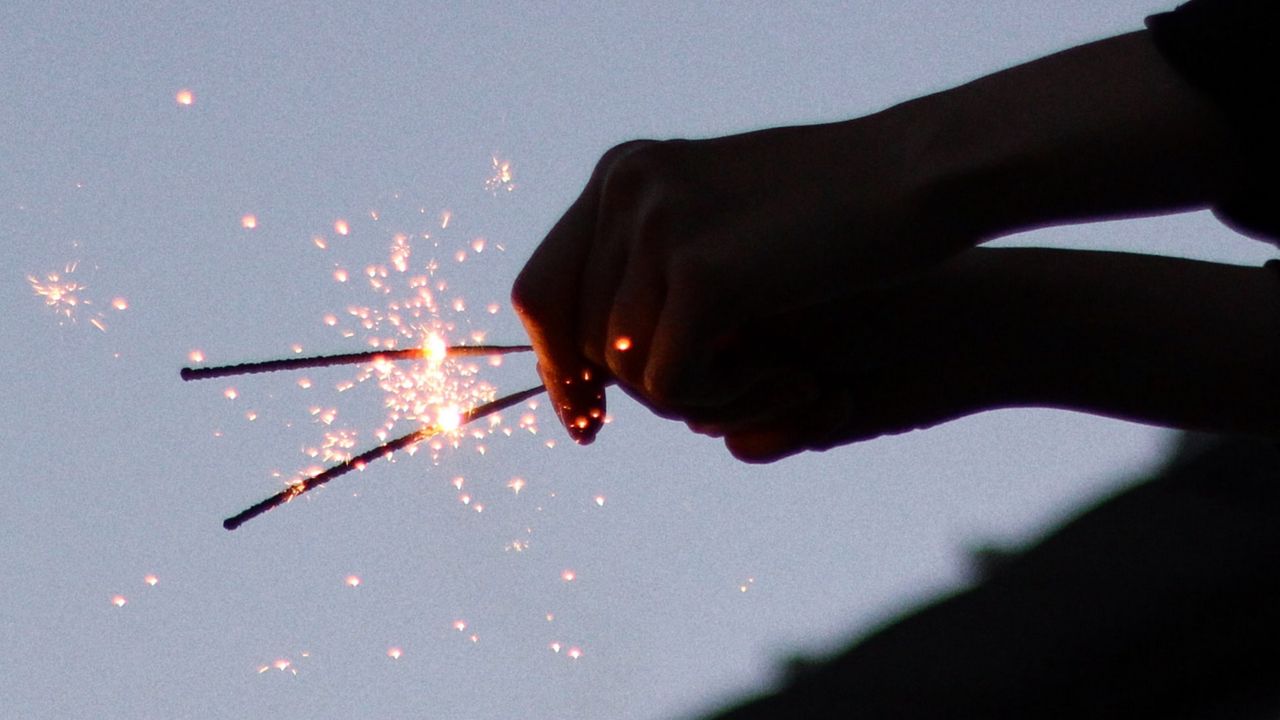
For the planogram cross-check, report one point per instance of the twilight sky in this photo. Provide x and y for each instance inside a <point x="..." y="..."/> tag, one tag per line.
<point x="648" y="576"/>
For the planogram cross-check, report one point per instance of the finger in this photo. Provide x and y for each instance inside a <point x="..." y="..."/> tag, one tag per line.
<point x="548" y="294"/>
<point x="629" y="335"/>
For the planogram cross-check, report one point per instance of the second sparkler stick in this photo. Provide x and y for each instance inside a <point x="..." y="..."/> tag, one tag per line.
<point x="364" y="458"/>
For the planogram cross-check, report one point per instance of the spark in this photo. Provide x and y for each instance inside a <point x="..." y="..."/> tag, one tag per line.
<point x="394" y="653"/>
<point x="623" y="343"/>
<point x="353" y="581"/>
<point x="341" y="227"/>
<point x="151" y="580"/>
<point x="555" y="647"/>
<point x="445" y="217"/>
<point x="516" y="484"/>
<point x="230" y="393"/>
<point x="502" y="178"/>
<point x="750" y="582"/>
<point x="196" y="356"/>
<point x="460" y="625"/>
<point x="568" y="575"/>
<point x="185" y="97"/>
<point x="574" y="653"/>
<point x="120" y="303"/>
<point x="119" y="601"/>
<point x="249" y="221"/>
<point x="599" y="499"/>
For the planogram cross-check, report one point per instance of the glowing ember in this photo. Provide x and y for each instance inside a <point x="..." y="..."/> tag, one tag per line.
<point x="151" y="580"/>
<point x="394" y="653"/>
<point x="623" y="343"/>
<point x="747" y="585"/>
<point x="574" y="653"/>
<point x="118" y="600"/>
<point x="196" y="356"/>
<point x="230" y="393"/>
<point x="599" y="500"/>
<point x="460" y="625"/>
<point x="185" y="97"/>
<point x="568" y="575"/>
<point x="353" y="581"/>
<point x="555" y="647"/>
<point x="120" y="303"/>
<point x="249" y="222"/>
<point x="341" y="227"/>
<point x="516" y="485"/>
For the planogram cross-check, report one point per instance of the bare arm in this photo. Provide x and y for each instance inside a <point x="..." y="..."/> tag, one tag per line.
<point x="685" y="248"/>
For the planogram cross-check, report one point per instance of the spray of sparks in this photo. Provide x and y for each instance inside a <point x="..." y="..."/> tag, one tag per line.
<point x="502" y="179"/>
<point x="69" y="299"/>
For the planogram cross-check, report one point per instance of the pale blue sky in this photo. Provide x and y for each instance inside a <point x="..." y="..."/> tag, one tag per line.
<point x="304" y="114"/>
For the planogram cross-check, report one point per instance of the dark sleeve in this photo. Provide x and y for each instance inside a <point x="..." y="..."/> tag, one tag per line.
<point x="1228" y="49"/>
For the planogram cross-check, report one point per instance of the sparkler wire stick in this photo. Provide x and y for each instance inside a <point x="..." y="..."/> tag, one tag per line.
<point x="383" y="450"/>
<point x="295" y="363"/>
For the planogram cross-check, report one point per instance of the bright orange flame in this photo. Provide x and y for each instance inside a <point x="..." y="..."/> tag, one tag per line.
<point x="185" y="97"/>
<point x="623" y="343"/>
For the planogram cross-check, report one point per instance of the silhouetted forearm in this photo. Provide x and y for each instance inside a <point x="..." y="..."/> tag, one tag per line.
<point x="1169" y="341"/>
<point x="1103" y="130"/>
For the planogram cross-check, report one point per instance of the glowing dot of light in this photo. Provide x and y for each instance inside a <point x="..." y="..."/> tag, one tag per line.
<point x="478" y="244"/>
<point x="449" y="418"/>
<point x="599" y="500"/>
<point x="230" y="393"/>
<point x="568" y="575"/>
<point x="151" y="580"/>
<point x="341" y="227"/>
<point x="195" y="356"/>
<point x="460" y="625"/>
<point x="281" y="664"/>
<point x="118" y="600"/>
<point x="457" y="482"/>
<point x="623" y="343"/>
<point x="555" y="647"/>
<point x="475" y="638"/>
<point x="492" y="309"/>
<point x="551" y="617"/>
<point x="353" y="581"/>
<point x="304" y="383"/>
<point x="120" y="303"/>
<point x="516" y="485"/>
<point x="574" y="653"/>
<point x="185" y="97"/>
<point x="394" y="653"/>
<point x="249" y="222"/>
<point x="340" y="275"/>
<point x="445" y="217"/>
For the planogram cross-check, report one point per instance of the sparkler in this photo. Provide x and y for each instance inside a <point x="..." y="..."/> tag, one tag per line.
<point x="387" y="448"/>
<point x="418" y="353"/>
<point x="359" y="461"/>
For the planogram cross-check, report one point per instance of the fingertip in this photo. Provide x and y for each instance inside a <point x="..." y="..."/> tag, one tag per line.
<point x="578" y="400"/>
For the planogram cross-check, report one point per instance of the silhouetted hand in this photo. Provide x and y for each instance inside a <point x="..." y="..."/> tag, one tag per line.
<point x="675" y="248"/>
